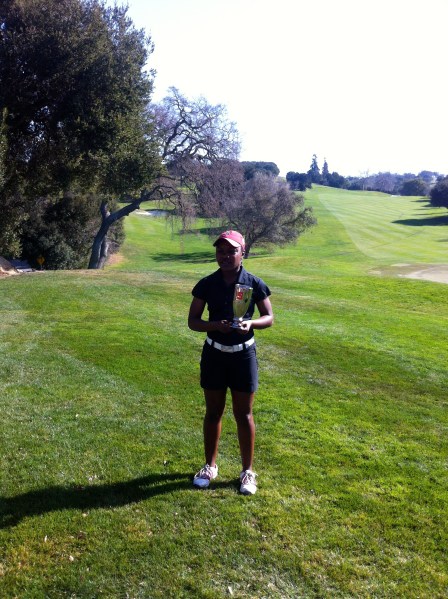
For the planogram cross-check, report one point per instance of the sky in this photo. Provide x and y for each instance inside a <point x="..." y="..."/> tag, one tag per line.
<point x="359" y="83"/>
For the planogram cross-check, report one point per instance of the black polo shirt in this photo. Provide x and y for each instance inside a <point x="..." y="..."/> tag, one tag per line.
<point x="219" y="299"/>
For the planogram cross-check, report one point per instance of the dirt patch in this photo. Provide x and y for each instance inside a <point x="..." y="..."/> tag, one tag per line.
<point x="114" y="259"/>
<point x="6" y="268"/>
<point x="438" y="273"/>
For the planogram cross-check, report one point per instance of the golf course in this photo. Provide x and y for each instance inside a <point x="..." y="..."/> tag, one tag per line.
<point x="101" y="428"/>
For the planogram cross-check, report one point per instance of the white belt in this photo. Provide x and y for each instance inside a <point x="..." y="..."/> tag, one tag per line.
<point x="231" y="348"/>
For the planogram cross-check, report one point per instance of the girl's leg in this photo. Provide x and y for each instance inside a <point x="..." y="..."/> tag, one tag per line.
<point x="242" y="410"/>
<point x="215" y="401"/>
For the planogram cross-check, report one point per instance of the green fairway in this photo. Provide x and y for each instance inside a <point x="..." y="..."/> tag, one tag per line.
<point x="101" y="428"/>
<point x="390" y="228"/>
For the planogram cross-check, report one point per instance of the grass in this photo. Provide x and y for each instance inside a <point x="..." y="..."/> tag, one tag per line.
<point x="101" y="422"/>
<point x="388" y="227"/>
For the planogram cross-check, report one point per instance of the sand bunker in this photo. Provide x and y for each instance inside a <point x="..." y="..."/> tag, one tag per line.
<point x="154" y="212"/>
<point x="438" y="273"/>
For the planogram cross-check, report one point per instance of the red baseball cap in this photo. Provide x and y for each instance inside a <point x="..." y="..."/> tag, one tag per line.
<point x="233" y="237"/>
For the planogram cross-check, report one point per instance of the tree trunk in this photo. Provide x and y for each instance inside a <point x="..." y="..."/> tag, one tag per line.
<point x="100" y="245"/>
<point x="104" y="252"/>
<point x="98" y="255"/>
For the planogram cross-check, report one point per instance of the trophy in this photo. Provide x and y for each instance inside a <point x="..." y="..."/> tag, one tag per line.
<point x="241" y="300"/>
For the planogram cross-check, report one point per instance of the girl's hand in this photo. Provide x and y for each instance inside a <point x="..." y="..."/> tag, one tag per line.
<point x="245" y="327"/>
<point x="223" y="326"/>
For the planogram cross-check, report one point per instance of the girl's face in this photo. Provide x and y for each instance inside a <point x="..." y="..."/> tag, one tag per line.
<point x="228" y="257"/>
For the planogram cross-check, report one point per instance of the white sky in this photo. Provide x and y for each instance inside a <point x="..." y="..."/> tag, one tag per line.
<point x="358" y="82"/>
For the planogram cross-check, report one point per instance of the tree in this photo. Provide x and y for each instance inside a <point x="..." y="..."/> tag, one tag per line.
<point x="3" y="148"/>
<point x="414" y="187"/>
<point x="75" y="89"/>
<point x="12" y="208"/>
<point x="268" y="212"/>
<point x="385" y="182"/>
<point x="334" y="179"/>
<point x="429" y="177"/>
<point x="325" y="173"/>
<point x="74" y="85"/>
<point x="439" y="193"/>
<point x="193" y="129"/>
<point x="314" y="171"/>
<point x="191" y="136"/>
<point x="298" y="181"/>
<point x="62" y="232"/>
<point x="269" y="168"/>
<point x="216" y="185"/>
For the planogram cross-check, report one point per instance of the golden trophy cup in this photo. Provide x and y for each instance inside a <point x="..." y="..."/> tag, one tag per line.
<point x="241" y="300"/>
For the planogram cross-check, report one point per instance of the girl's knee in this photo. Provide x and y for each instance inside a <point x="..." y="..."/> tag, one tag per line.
<point x="243" y="417"/>
<point x="213" y="416"/>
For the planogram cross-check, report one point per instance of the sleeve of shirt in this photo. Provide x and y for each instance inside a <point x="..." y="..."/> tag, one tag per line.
<point x="261" y="290"/>
<point x="200" y="289"/>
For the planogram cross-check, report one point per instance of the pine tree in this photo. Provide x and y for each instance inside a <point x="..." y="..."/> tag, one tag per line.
<point x="325" y="173"/>
<point x="314" y="171"/>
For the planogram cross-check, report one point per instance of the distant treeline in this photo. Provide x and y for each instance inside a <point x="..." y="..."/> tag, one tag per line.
<point x="408" y="184"/>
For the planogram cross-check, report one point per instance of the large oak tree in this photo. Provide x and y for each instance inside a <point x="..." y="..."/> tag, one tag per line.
<point x="78" y="126"/>
<point x="191" y="135"/>
<point x="74" y="91"/>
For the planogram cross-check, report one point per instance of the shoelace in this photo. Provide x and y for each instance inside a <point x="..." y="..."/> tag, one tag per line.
<point x="205" y="472"/>
<point x="249" y="478"/>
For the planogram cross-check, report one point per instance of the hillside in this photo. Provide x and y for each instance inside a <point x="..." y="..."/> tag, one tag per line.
<point x="406" y="231"/>
<point x="102" y="416"/>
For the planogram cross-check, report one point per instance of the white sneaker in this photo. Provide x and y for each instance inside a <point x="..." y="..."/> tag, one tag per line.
<point x="204" y="476"/>
<point x="248" y="482"/>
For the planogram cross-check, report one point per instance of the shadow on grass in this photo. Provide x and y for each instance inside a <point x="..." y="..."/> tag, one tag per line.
<point x="434" y="221"/>
<point x="211" y="231"/>
<point x="192" y="257"/>
<point x="58" y="498"/>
